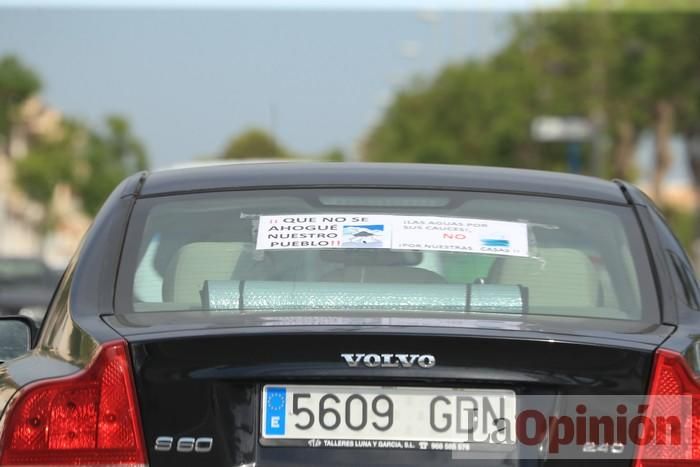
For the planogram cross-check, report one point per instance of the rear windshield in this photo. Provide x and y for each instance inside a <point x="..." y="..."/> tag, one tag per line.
<point x="385" y="251"/>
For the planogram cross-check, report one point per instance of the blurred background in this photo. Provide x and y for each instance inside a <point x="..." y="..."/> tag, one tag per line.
<point x="91" y="91"/>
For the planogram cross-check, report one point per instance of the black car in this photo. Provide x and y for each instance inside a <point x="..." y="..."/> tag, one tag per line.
<point x="363" y="314"/>
<point x="26" y="286"/>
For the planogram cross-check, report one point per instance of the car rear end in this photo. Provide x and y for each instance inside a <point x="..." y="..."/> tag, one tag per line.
<point x="345" y="326"/>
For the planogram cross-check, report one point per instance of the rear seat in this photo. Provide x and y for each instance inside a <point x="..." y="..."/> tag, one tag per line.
<point x="556" y="277"/>
<point x="197" y="262"/>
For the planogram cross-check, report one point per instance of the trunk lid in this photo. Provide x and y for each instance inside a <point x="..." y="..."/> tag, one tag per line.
<point x="204" y="378"/>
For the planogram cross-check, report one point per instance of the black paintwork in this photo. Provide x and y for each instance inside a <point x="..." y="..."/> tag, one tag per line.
<point x="236" y="176"/>
<point x="195" y="379"/>
<point x="137" y="327"/>
<point x="220" y="379"/>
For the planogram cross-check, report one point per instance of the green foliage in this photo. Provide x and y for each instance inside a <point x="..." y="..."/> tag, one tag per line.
<point x="127" y="152"/>
<point x="334" y="155"/>
<point x="109" y="156"/>
<point x="17" y="83"/>
<point x="647" y="58"/>
<point x="683" y="225"/>
<point x="610" y="67"/>
<point x="92" y="162"/>
<point x="468" y="114"/>
<point x="254" y="143"/>
<point x="641" y="5"/>
<point x="45" y="167"/>
<point x="50" y="163"/>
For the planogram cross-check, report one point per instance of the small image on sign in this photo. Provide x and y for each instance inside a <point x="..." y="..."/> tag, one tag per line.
<point x="364" y="236"/>
<point x="495" y="242"/>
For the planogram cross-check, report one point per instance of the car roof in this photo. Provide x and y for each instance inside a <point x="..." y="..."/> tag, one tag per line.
<point x="379" y="175"/>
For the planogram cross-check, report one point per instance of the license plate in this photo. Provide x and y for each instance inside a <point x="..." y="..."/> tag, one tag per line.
<point x="387" y="417"/>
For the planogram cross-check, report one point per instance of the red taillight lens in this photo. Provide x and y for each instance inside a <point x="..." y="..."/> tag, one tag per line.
<point x="674" y="392"/>
<point x="87" y="419"/>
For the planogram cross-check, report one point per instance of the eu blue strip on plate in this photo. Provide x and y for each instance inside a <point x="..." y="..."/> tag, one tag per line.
<point x="275" y="400"/>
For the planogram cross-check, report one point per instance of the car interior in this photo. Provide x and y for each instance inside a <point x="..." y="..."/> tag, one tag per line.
<point x="565" y="273"/>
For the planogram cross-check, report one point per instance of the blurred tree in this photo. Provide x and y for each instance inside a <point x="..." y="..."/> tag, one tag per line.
<point x="17" y="83"/>
<point x="476" y="113"/>
<point x="567" y="54"/>
<point x="254" y="143"/>
<point x="655" y="72"/>
<point x="455" y="119"/>
<point x="643" y="5"/>
<point x="91" y="162"/>
<point x="49" y="163"/>
<point x="126" y="149"/>
<point x="109" y="157"/>
<point x="334" y="155"/>
<point x="624" y="71"/>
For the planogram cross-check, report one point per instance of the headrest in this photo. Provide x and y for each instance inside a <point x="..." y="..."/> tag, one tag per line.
<point x="372" y="257"/>
<point x="196" y="262"/>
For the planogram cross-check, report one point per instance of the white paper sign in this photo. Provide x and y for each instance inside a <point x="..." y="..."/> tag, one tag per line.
<point x="324" y="231"/>
<point x="459" y="235"/>
<point x="320" y="231"/>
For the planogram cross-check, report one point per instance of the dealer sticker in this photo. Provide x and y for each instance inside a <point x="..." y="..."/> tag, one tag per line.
<point x="355" y="231"/>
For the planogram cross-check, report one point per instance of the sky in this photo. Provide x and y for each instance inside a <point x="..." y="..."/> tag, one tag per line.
<point x="189" y="79"/>
<point x="470" y="5"/>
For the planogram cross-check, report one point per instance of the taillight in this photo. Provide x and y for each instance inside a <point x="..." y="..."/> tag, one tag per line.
<point x="90" y="418"/>
<point x="674" y="392"/>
